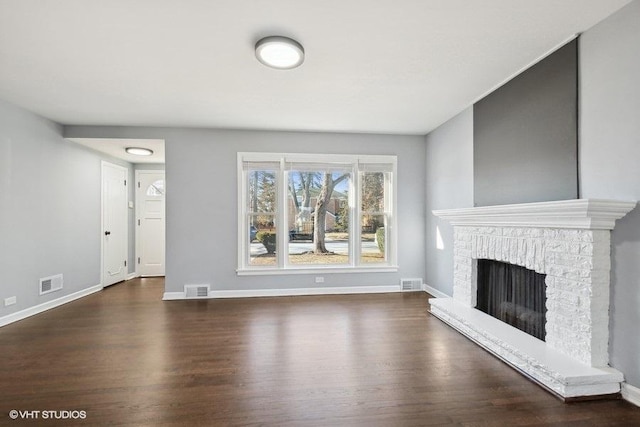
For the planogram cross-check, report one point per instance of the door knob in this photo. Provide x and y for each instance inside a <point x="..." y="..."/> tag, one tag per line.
<point x="107" y="233"/>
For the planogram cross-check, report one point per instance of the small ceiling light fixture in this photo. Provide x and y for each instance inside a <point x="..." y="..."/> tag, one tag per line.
<point x="139" y="151"/>
<point x="279" y="52"/>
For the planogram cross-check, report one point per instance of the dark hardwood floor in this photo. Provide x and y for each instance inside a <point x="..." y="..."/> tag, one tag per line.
<point x="128" y="358"/>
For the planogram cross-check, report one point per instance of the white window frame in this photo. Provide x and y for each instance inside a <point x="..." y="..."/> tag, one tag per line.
<point x="355" y="163"/>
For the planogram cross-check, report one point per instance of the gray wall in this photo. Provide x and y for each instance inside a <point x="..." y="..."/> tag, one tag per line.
<point x="525" y="135"/>
<point x="610" y="164"/>
<point x="449" y="182"/>
<point x="202" y="201"/>
<point x="49" y="209"/>
<point x="148" y="167"/>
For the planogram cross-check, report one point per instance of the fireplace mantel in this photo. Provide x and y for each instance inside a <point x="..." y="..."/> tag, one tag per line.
<point x="569" y="242"/>
<point x="591" y="214"/>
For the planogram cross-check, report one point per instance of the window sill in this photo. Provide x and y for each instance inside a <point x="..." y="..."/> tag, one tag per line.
<point x="316" y="270"/>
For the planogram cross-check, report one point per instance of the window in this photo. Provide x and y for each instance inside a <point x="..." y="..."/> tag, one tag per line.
<point x="305" y="212"/>
<point x="261" y="208"/>
<point x="374" y="215"/>
<point x="156" y="189"/>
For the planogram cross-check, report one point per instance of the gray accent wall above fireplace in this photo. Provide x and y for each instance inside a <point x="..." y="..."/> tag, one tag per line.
<point x="525" y="135"/>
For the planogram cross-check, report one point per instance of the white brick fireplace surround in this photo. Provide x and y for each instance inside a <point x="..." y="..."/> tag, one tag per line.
<point x="569" y="241"/>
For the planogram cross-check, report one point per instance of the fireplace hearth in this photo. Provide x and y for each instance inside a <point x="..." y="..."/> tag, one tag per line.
<point x="567" y="243"/>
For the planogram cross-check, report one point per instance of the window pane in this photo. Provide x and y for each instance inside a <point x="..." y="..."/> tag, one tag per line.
<point x="301" y="252"/>
<point x="373" y="192"/>
<point x="372" y="239"/>
<point x="156" y="189"/>
<point x="318" y="197"/>
<point x="262" y="240"/>
<point x="262" y="191"/>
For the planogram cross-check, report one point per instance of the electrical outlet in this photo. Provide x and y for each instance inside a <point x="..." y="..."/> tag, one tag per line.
<point x="10" y="301"/>
<point x="319" y="279"/>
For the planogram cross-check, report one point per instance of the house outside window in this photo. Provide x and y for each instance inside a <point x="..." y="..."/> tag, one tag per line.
<point x="316" y="212"/>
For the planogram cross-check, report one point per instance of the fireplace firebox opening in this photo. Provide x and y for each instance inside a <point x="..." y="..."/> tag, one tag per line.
<point x="513" y="294"/>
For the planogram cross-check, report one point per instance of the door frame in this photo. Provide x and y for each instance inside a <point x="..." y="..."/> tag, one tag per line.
<point x="125" y="209"/>
<point x="139" y="172"/>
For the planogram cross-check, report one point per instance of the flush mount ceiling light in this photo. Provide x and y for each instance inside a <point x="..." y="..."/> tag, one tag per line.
<point x="279" y="52"/>
<point x="138" y="151"/>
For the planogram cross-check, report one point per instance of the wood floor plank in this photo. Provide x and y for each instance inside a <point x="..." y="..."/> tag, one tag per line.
<point x="127" y="358"/>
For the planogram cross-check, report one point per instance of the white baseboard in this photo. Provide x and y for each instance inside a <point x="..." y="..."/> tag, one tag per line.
<point x="248" y="293"/>
<point x="170" y="296"/>
<point x="630" y="393"/>
<point x="304" y="291"/>
<point x="132" y="275"/>
<point x="36" y="309"/>
<point x="434" y="292"/>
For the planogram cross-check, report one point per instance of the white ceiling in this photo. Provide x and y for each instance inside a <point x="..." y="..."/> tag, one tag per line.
<point x="383" y="66"/>
<point x="115" y="147"/>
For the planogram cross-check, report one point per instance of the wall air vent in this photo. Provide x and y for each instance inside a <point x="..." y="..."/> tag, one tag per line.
<point x="408" y="285"/>
<point x="51" y="284"/>
<point x="196" y="291"/>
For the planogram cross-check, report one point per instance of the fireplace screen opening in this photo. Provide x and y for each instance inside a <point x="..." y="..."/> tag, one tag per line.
<point x="514" y="295"/>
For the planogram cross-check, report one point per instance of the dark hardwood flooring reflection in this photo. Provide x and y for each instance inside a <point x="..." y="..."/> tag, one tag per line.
<point x="128" y="358"/>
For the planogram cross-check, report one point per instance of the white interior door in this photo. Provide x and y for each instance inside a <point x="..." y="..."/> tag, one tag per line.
<point x="150" y="199"/>
<point x="114" y="224"/>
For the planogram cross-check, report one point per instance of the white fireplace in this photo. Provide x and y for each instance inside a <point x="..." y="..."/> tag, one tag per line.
<point x="569" y="242"/>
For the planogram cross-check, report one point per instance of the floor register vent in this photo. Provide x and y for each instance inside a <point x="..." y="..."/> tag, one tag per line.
<point x="51" y="284"/>
<point x="408" y="285"/>
<point x="196" y="291"/>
